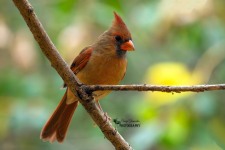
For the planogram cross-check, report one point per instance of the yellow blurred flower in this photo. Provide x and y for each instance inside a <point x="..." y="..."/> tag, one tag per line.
<point x="169" y="73"/>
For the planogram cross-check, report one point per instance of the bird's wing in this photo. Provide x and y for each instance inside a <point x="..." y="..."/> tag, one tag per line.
<point x="81" y="60"/>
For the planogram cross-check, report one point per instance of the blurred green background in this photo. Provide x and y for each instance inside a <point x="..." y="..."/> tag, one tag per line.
<point x="178" y="42"/>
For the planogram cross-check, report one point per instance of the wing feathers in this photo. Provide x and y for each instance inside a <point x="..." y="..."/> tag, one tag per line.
<point x="81" y="60"/>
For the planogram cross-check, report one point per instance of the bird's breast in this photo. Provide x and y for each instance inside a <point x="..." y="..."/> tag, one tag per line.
<point x="103" y="70"/>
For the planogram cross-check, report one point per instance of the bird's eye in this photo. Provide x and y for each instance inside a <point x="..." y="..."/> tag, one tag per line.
<point x="118" y="38"/>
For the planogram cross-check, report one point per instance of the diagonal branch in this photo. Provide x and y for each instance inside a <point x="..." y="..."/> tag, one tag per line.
<point x="67" y="75"/>
<point x="77" y="87"/>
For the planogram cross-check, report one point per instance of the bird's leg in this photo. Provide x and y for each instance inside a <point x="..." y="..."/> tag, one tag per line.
<point x="105" y="113"/>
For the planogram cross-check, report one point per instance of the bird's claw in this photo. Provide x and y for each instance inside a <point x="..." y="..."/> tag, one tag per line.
<point x="107" y="118"/>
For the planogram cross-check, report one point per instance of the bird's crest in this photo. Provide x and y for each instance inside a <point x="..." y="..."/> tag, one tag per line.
<point x="119" y="27"/>
<point x="118" y="20"/>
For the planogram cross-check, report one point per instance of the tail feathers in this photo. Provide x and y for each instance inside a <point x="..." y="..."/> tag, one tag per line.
<point x="56" y="127"/>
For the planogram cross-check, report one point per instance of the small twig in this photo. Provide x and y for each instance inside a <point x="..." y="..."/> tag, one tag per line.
<point x="68" y="76"/>
<point x="145" y="87"/>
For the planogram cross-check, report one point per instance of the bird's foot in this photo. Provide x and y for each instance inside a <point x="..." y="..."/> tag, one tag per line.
<point x="107" y="118"/>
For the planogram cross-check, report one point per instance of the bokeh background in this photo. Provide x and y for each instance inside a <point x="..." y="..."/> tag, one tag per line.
<point x="178" y="42"/>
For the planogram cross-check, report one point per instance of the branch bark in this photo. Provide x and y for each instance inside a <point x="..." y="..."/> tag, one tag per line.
<point x="145" y="87"/>
<point x="67" y="75"/>
<point x="77" y="87"/>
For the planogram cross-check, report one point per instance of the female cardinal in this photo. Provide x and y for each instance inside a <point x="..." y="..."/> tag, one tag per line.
<point x="103" y="62"/>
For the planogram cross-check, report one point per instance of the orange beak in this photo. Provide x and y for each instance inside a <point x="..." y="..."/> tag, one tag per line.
<point x="127" y="46"/>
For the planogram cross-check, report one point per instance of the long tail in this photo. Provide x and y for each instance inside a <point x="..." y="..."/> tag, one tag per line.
<point x="56" y="127"/>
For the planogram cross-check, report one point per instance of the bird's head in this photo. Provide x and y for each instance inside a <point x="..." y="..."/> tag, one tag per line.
<point x="121" y="34"/>
<point x="117" y="36"/>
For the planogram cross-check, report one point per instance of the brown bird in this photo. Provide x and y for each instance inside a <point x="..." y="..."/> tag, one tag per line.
<point x="103" y="62"/>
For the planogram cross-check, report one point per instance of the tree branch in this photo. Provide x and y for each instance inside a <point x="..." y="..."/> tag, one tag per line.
<point x="78" y="88"/>
<point x="145" y="87"/>
<point x="68" y="76"/>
